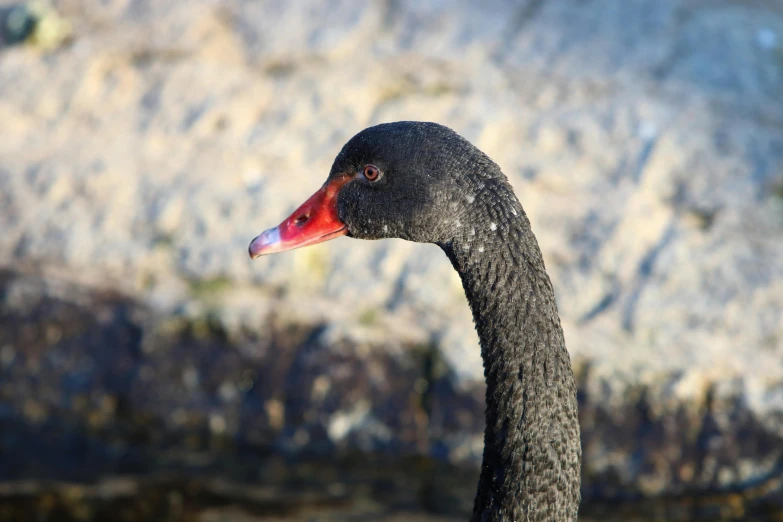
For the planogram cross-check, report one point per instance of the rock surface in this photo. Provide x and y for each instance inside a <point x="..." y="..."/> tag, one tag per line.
<point x="645" y="141"/>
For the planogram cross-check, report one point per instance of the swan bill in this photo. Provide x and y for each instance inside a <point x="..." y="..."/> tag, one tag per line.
<point x="315" y="221"/>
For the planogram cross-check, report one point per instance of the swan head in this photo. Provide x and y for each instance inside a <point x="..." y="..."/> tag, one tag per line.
<point x="409" y="180"/>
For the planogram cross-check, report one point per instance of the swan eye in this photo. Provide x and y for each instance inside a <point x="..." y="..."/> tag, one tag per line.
<point x="371" y="173"/>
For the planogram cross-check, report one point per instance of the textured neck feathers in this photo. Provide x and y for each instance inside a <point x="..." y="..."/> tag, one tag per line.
<point x="532" y="453"/>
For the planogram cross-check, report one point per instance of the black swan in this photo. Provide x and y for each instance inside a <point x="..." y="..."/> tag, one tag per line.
<point x="423" y="182"/>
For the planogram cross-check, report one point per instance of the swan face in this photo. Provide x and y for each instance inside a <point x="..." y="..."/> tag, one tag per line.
<point x="407" y="180"/>
<point x="402" y="186"/>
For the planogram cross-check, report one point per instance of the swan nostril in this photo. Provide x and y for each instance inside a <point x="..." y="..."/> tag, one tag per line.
<point x="301" y="220"/>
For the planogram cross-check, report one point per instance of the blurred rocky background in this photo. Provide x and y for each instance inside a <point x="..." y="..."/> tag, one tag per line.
<point x="150" y="371"/>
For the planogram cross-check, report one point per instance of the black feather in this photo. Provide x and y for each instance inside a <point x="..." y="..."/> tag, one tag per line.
<point x="438" y="188"/>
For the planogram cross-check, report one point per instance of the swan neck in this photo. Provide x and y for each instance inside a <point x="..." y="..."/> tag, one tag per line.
<point x="532" y="453"/>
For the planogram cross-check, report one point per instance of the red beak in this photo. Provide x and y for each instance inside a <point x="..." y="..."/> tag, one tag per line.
<point x="315" y="221"/>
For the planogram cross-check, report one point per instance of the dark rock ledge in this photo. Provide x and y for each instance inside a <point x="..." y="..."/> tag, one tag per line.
<point x="192" y="416"/>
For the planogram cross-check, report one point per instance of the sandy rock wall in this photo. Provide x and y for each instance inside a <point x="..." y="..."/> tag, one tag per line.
<point x="645" y="141"/>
